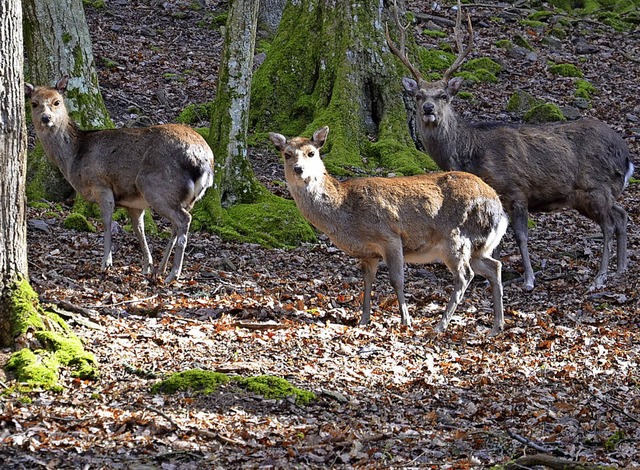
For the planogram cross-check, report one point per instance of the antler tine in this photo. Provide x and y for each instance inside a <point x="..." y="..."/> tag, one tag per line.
<point x="462" y="54"/>
<point x="400" y="53"/>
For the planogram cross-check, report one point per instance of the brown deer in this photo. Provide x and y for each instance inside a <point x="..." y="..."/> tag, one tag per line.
<point x="583" y="165"/>
<point x="451" y="217"/>
<point x="166" y="167"/>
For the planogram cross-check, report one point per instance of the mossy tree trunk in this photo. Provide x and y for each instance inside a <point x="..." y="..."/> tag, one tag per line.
<point x="57" y="43"/>
<point x="238" y="207"/>
<point x="13" y="145"/>
<point x="44" y="341"/>
<point x="329" y="65"/>
<point x="234" y="178"/>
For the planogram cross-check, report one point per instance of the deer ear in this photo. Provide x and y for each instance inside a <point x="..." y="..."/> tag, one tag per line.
<point x="61" y="86"/>
<point x="454" y="85"/>
<point x="28" y="89"/>
<point x="410" y="85"/>
<point x="320" y="137"/>
<point x="278" y="140"/>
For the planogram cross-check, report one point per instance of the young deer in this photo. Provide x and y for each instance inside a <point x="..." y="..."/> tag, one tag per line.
<point x="166" y="167"/>
<point x="450" y="217"/>
<point x="583" y="165"/>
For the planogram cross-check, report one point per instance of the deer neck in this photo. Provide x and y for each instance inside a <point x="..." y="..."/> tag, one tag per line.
<point x="60" y="144"/>
<point x="448" y="143"/>
<point x="319" y="199"/>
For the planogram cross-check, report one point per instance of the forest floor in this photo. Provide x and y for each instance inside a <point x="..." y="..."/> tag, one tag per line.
<point x="562" y="380"/>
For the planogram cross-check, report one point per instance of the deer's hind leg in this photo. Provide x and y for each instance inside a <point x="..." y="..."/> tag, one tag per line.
<point x="458" y="262"/>
<point x="620" y="219"/>
<point x="491" y="269"/>
<point x="137" y="222"/>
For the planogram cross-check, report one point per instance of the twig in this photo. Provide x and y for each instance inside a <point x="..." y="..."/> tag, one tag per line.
<point x="132" y="301"/>
<point x="631" y="58"/>
<point x="534" y="445"/>
<point x="555" y="463"/>
<point x="614" y="407"/>
<point x="260" y="326"/>
<point x="165" y="416"/>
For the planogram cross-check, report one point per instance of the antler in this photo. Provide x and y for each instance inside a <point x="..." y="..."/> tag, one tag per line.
<point x="458" y="35"/>
<point x="400" y="53"/>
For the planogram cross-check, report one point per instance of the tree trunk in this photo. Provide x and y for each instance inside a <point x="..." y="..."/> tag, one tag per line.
<point x="235" y="181"/>
<point x="57" y="43"/>
<point x="13" y="145"/>
<point x="329" y="65"/>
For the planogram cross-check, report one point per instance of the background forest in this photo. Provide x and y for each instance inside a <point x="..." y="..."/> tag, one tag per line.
<point x="561" y="382"/>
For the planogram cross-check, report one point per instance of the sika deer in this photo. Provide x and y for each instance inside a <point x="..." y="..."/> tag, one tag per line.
<point x="167" y="167"/>
<point x="583" y="165"/>
<point x="451" y="217"/>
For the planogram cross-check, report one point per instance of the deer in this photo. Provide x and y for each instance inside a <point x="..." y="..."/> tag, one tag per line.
<point x="165" y="167"/>
<point x="452" y="217"/>
<point x="583" y="165"/>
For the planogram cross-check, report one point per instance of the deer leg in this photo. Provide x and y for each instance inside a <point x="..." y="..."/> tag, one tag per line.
<point x="608" y="234"/>
<point x="107" y="205"/>
<point x="395" y="262"/>
<point x="369" y="269"/>
<point x="462" y="276"/>
<point x="490" y="269"/>
<point x="620" y="219"/>
<point x="180" y="222"/>
<point x="519" y="222"/>
<point x="137" y="222"/>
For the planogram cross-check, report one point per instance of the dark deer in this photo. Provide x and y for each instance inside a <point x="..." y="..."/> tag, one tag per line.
<point x="166" y="167"/>
<point x="583" y="165"/>
<point x="451" y="217"/>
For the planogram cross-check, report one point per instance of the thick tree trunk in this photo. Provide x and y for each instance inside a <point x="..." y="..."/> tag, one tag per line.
<point x="13" y="232"/>
<point x="329" y="65"/>
<point x="269" y="15"/>
<point x="235" y="181"/>
<point x="57" y="43"/>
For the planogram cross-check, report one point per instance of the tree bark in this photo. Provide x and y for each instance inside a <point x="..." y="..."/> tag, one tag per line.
<point x="269" y="15"/>
<point x="235" y="181"/>
<point x="57" y="43"/>
<point x="13" y="145"/>
<point x="329" y="64"/>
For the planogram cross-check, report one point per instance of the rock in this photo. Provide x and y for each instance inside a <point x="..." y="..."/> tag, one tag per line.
<point x="632" y="117"/>
<point x="571" y="113"/>
<point x="40" y="225"/>
<point x="581" y="103"/>
<point x="552" y="43"/>
<point x="583" y="47"/>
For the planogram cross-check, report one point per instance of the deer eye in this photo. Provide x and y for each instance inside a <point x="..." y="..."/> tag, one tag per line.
<point x="311" y="154"/>
<point x="288" y="155"/>
<point x="34" y="104"/>
<point x="442" y="95"/>
<point x="56" y="103"/>
<point x="420" y="97"/>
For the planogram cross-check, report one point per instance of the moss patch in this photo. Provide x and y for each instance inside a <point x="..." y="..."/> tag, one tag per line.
<point x="57" y="345"/>
<point x="79" y="223"/>
<point x="271" y="221"/>
<point x="547" y="112"/>
<point x="566" y="70"/>
<point x="584" y="89"/>
<point x="275" y="387"/>
<point x="521" y="102"/>
<point x="196" y="380"/>
<point x="195" y="113"/>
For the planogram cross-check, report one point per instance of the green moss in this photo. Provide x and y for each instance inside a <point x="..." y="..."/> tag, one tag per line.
<point x="565" y="70"/>
<point x="541" y="15"/>
<point x="197" y="380"/>
<point x="94" y="3"/>
<point x="504" y="44"/>
<point x="532" y="24"/>
<point x="195" y="113"/>
<point x="521" y="41"/>
<point x="38" y="371"/>
<point x="584" y="89"/>
<point x="25" y="309"/>
<point x="44" y="180"/>
<point x="69" y="351"/>
<point x="271" y="221"/>
<point x="521" y="101"/>
<point x="434" y="59"/>
<point x="79" y="223"/>
<point x="612" y="441"/>
<point x="396" y="158"/>
<point x="547" y="112"/>
<point x="483" y="63"/>
<point x="434" y="33"/>
<point x="275" y="387"/>
<point x="466" y="95"/>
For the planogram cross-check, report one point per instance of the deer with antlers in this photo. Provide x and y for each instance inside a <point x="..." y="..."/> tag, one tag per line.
<point x="583" y="165"/>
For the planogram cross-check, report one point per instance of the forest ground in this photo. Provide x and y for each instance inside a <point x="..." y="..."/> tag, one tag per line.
<point x="561" y="380"/>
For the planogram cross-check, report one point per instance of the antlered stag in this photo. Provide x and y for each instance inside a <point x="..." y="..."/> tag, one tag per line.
<point x="583" y="165"/>
<point x="166" y="167"/>
<point x="451" y="217"/>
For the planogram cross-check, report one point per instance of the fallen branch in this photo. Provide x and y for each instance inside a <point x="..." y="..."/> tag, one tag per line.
<point x="260" y="326"/>
<point x="530" y="443"/>
<point x="549" y="461"/>
<point x="614" y="407"/>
